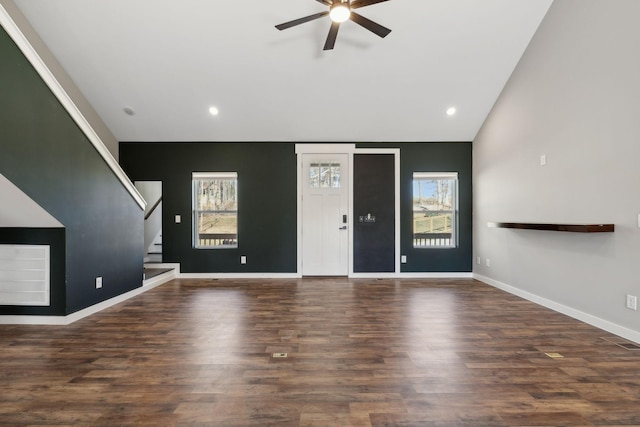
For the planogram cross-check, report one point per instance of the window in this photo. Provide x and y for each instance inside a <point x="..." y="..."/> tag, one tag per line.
<point x="435" y="209"/>
<point x="215" y="209"/>
<point x="324" y="175"/>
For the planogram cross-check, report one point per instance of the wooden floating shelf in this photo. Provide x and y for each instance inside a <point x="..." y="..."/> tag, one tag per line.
<point x="573" y="228"/>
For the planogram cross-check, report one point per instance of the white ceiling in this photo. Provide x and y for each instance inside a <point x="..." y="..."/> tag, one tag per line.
<point x="171" y="60"/>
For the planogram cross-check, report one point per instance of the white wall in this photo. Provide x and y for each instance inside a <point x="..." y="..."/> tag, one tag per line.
<point x="87" y="110"/>
<point x="19" y="210"/>
<point x="574" y="97"/>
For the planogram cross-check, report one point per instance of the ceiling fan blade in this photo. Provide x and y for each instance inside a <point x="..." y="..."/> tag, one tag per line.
<point x="362" y="3"/>
<point x="299" y="21"/>
<point x="326" y="2"/>
<point x="331" y="38"/>
<point x="370" y="25"/>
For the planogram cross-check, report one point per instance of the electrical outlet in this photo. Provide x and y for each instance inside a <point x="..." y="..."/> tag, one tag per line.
<point x="98" y="282"/>
<point x="478" y="260"/>
<point x="543" y="160"/>
<point x="487" y="262"/>
<point x="403" y="259"/>
<point x="632" y="302"/>
<point x="178" y="219"/>
<point x="243" y="259"/>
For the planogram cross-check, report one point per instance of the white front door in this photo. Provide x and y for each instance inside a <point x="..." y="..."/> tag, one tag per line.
<point x="325" y="213"/>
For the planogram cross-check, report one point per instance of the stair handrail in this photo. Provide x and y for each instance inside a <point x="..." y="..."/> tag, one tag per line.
<point x="153" y="208"/>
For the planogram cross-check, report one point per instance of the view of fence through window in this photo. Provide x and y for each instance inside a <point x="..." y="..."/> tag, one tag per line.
<point x="215" y="201"/>
<point x="434" y="209"/>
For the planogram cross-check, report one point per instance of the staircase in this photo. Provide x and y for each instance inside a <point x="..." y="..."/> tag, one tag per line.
<point x="155" y="271"/>
<point x="154" y="251"/>
<point x="154" y="256"/>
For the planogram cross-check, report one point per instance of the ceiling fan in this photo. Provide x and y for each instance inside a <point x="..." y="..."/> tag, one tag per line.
<point x="341" y="11"/>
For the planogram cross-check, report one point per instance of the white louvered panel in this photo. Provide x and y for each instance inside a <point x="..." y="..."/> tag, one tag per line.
<point x="24" y="275"/>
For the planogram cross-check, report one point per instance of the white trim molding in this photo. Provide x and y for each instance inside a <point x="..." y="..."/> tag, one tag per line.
<point x="592" y="320"/>
<point x="350" y="150"/>
<point x="410" y="275"/>
<point x="238" y="276"/>
<point x="396" y="201"/>
<point x="59" y="92"/>
<point x="350" y="276"/>
<point x="69" y="319"/>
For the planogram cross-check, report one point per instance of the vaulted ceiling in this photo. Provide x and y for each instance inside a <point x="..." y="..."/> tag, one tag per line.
<point x="170" y="61"/>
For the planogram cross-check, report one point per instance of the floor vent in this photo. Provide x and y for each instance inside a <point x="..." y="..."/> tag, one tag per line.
<point x="554" y="355"/>
<point x="620" y="342"/>
<point x="279" y="355"/>
<point x="629" y="346"/>
<point x="24" y="275"/>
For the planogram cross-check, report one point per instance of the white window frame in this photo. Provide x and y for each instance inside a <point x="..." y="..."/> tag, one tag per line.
<point x="453" y="241"/>
<point x="197" y="176"/>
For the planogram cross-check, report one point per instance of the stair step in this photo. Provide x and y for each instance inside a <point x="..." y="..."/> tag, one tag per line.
<point x="153" y="272"/>
<point x="149" y="258"/>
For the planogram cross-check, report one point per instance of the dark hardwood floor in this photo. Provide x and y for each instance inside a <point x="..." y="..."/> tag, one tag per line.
<point x="360" y="352"/>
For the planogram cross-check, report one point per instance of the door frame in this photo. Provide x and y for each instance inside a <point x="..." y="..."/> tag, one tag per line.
<point x="350" y="150"/>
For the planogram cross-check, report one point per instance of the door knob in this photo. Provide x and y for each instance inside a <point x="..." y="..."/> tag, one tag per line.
<point x="344" y="227"/>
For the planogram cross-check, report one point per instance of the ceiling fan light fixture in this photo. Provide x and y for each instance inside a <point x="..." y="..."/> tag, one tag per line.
<point x="340" y="12"/>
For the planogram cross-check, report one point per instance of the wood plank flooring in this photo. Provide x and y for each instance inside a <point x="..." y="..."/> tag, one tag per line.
<point x="360" y="353"/>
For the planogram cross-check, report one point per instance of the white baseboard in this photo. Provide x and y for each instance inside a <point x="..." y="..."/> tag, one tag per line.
<point x="605" y="325"/>
<point x="159" y="279"/>
<point x="238" y="276"/>
<point x="351" y="276"/>
<point x="67" y="320"/>
<point x="174" y="265"/>
<point x="454" y="275"/>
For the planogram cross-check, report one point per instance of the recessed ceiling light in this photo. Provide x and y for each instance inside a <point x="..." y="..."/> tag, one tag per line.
<point x="213" y="111"/>
<point x="451" y="111"/>
<point x="129" y="111"/>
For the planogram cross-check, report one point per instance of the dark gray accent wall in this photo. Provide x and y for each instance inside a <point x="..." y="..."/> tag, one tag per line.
<point x="374" y="213"/>
<point x="267" y="181"/>
<point x="434" y="157"/>
<point x="267" y="209"/>
<point x="46" y="155"/>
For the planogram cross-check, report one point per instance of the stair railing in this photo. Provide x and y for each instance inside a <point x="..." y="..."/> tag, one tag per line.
<point x="153" y="208"/>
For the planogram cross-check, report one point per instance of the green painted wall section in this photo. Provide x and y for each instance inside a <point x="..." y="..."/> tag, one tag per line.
<point x="434" y="157"/>
<point x="266" y="201"/>
<point x="267" y="204"/>
<point x="46" y="155"/>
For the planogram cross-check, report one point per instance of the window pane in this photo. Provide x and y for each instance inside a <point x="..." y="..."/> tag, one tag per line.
<point x="217" y="229"/>
<point x="314" y="175"/>
<point x="433" y="194"/>
<point x="432" y="222"/>
<point x="335" y="175"/>
<point x="324" y="175"/>
<point x="216" y="194"/>
<point x="434" y="210"/>
<point x="215" y="209"/>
